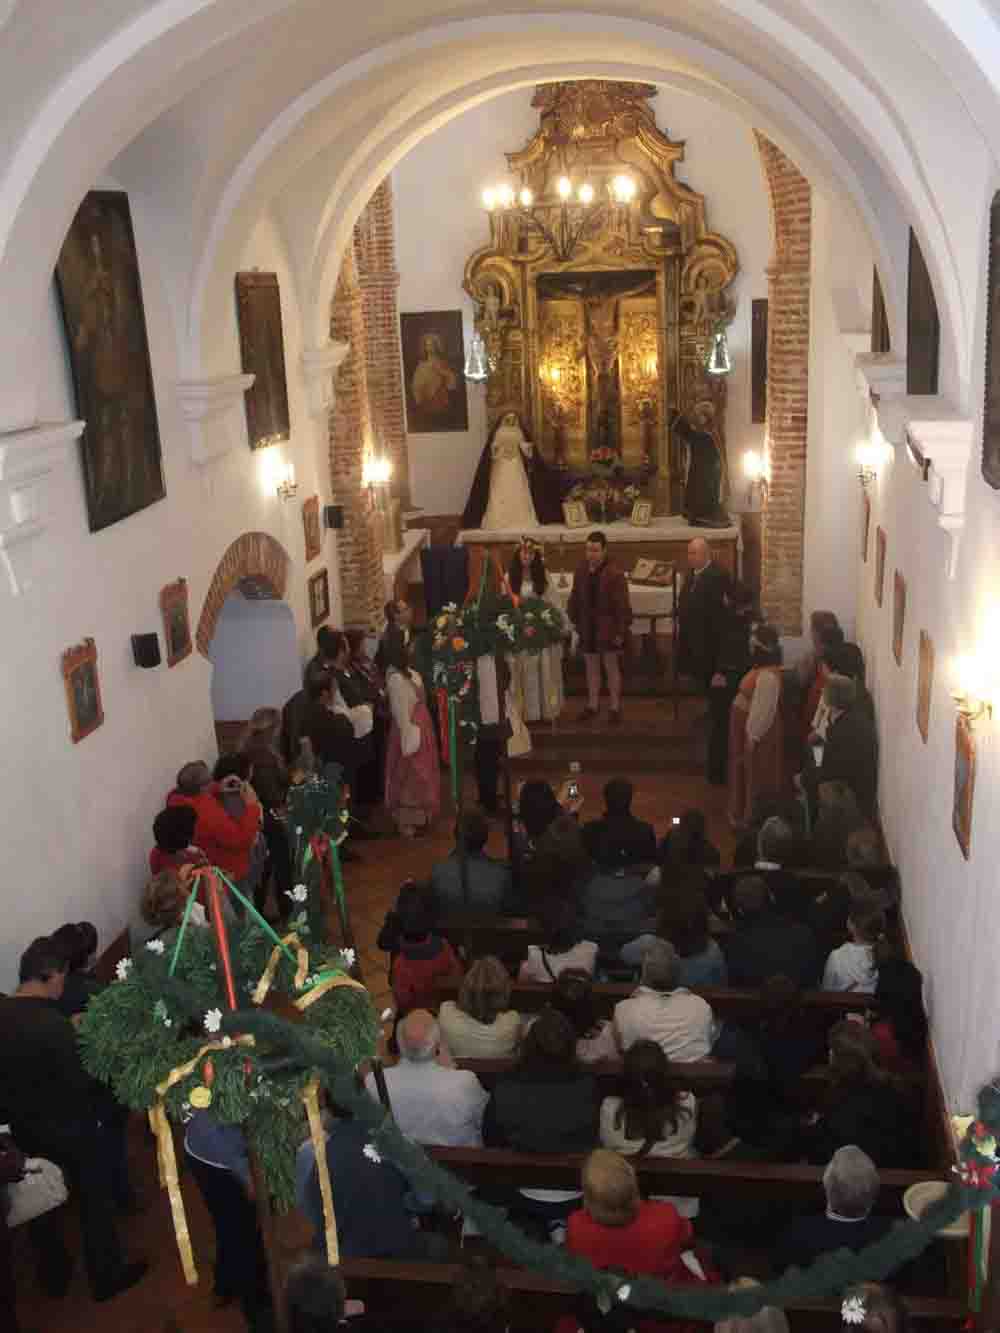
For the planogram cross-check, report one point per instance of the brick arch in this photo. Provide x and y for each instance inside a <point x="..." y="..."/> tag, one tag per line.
<point x="787" y="387"/>
<point x="254" y="555"/>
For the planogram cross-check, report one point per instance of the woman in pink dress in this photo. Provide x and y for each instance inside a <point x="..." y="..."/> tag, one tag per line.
<point x="412" y="775"/>
<point x="757" y="730"/>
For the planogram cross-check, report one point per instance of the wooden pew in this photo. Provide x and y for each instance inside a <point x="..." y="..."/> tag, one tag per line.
<point x="701" y="1177"/>
<point x="530" y="997"/>
<point x="422" y="1290"/>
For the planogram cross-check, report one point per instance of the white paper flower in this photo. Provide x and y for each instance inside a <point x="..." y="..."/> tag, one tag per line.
<point x="372" y="1153"/>
<point x="160" y="1012"/>
<point x="123" y="969"/>
<point x="299" y="894"/>
<point x="213" y="1020"/>
<point x="155" y="946"/>
<point x="624" y="1292"/>
<point x="227" y="1041"/>
<point x="186" y="1112"/>
<point x="853" y="1310"/>
<point x="348" y="956"/>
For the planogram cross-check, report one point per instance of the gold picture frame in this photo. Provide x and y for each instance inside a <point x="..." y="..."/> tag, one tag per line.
<point x="575" y="514"/>
<point x="925" y="684"/>
<point x="311" y="528"/>
<point x="83" y="689"/>
<point x="965" y="783"/>
<point x="642" y="514"/>
<point x="176" y="621"/>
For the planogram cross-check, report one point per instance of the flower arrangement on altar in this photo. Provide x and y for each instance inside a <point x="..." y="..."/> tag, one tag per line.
<point x="607" y="499"/>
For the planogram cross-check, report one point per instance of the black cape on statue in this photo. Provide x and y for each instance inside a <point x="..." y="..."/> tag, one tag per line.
<point x="546" y="484"/>
<point x="703" y="492"/>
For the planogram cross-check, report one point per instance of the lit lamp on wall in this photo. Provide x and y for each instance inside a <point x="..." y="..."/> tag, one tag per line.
<point x="869" y="457"/>
<point x="755" y="471"/>
<point x="970" y="689"/>
<point x="287" y="485"/>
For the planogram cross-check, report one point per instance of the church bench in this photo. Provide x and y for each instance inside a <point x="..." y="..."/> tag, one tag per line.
<point x="530" y="997"/>
<point x="408" y="1289"/>
<point x="701" y="1177"/>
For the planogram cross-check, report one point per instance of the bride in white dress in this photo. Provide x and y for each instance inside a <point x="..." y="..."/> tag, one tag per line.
<point x="537" y="678"/>
<point x="510" y="504"/>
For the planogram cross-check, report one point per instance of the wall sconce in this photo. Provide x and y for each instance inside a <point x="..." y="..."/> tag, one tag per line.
<point x="755" y="471"/>
<point x="477" y="366"/>
<point x="869" y="458"/>
<point x="287" y="485"/>
<point x="969" y="689"/>
<point x="375" y="471"/>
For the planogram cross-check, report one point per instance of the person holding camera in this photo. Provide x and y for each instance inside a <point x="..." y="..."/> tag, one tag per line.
<point x="228" y="817"/>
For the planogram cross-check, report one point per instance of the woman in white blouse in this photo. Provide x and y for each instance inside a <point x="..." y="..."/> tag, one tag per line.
<point x="537" y="677"/>
<point x="412" y="774"/>
<point x="652" y="1117"/>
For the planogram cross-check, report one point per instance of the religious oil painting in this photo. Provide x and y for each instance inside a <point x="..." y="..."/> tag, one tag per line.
<point x="311" y="528"/>
<point x="925" y="684"/>
<point x="642" y="514"/>
<point x="434" y="371"/>
<point x="262" y="352"/>
<point x="83" y="689"/>
<point x="879" y="565"/>
<point x="176" y="621"/>
<point x="100" y="291"/>
<point x="575" y="514"/>
<point x="866" y="524"/>
<point x="319" y="598"/>
<point x="898" y="616"/>
<point x="965" y="782"/>
<point x="991" y="413"/>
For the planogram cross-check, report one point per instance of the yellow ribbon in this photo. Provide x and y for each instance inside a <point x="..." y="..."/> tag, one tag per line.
<point x="166" y="1159"/>
<point x="310" y="1095"/>
<point x="327" y="984"/>
<point x="267" y="976"/>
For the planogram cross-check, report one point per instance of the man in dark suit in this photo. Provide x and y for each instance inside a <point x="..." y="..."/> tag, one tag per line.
<point x="619" y="839"/>
<point x="851" y="1184"/>
<point x="850" y="752"/>
<point x="701" y="613"/>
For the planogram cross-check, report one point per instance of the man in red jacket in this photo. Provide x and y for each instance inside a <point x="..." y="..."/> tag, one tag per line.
<point x="225" y="839"/>
<point x="600" y="610"/>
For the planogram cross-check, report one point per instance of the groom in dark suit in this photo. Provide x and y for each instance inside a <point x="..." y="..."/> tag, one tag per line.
<point x="701" y="614"/>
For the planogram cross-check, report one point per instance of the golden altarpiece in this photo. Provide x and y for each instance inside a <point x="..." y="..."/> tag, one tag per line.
<point x="597" y="320"/>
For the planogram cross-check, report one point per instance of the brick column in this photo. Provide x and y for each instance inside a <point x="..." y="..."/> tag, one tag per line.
<point x="788" y="278"/>
<point x="375" y="252"/>
<point x="360" y="540"/>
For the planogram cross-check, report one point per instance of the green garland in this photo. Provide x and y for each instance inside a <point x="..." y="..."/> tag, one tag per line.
<point x="315" y="810"/>
<point x="975" y="1187"/>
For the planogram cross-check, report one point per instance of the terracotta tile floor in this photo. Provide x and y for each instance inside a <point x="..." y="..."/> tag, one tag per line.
<point x="162" y="1303"/>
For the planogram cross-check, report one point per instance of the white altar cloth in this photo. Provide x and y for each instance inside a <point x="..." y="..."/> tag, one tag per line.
<point x="669" y="527"/>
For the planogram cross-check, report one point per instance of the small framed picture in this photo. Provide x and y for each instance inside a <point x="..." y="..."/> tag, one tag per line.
<point x="176" y="622"/>
<point x="83" y="689"/>
<point x="575" y="514"/>
<point x="311" y="528"/>
<point x="925" y="684"/>
<point x="898" y="616"/>
<point x="965" y="783"/>
<point x="880" y="545"/>
<point x="642" y="513"/>
<point x="319" y="598"/>
<point x="866" y="523"/>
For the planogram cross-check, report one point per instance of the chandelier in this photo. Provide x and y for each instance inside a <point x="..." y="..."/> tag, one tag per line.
<point x="567" y="219"/>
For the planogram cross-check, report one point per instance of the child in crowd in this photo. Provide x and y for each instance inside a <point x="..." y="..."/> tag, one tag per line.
<point x="419" y="957"/>
<point x="563" y="948"/>
<point x="173" y="831"/>
<point x="854" y="966"/>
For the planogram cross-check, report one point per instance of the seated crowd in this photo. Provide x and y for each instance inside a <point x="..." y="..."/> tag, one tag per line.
<point x="809" y="905"/>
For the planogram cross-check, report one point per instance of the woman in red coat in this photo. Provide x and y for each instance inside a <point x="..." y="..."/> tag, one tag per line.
<point x="599" y="609"/>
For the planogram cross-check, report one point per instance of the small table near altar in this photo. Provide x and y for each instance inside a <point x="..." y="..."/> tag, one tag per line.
<point x="664" y="539"/>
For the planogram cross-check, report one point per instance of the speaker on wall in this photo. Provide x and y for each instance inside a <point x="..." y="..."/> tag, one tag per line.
<point x="333" y="516"/>
<point x="146" y="650"/>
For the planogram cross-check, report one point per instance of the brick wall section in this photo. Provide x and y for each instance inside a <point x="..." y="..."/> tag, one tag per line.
<point x="254" y="555"/>
<point x="360" y="541"/>
<point x="787" y="387"/>
<point x="375" y="255"/>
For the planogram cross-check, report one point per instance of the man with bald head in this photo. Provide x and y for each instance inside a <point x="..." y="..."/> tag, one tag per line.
<point x="433" y="1102"/>
<point x="701" y="614"/>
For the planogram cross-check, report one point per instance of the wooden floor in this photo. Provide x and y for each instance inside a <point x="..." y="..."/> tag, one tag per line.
<point x="162" y="1303"/>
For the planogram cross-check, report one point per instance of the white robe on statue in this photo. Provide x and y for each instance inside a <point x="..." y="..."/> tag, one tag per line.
<point x="510" y="504"/>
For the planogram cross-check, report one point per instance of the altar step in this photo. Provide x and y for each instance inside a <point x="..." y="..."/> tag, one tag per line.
<point x="649" y="739"/>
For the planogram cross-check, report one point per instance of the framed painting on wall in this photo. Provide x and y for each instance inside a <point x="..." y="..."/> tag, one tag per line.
<point x="319" y="598"/>
<point x="311" y="527"/>
<point x="880" y="545"/>
<point x="176" y="621"/>
<point x="97" y="275"/>
<point x="262" y="353"/>
<point x="925" y="684"/>
<point x="434" y="371"/>
<point x="991" y="412"/>
<point x="866" y="524"/>
<point x="83" y="689"/>
<point x="965" y="782"/>
<point x="898" y="616"/>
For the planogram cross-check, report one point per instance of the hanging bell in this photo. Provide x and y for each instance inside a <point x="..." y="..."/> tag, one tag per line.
<point x="719" y="361"/>
<point x="476" y="365"/>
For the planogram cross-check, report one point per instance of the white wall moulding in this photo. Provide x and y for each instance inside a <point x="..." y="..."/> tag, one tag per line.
<point x="319" y="366"/>
<point x="27" y="459"/>
<point x="881" y="375"/>
<point x="211" y="408"/>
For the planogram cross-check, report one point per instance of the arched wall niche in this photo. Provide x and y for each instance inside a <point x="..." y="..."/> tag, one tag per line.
<point x="254" y="556"/>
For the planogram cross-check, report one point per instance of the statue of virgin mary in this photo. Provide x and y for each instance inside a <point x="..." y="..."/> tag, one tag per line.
<point x="514" y="488"/>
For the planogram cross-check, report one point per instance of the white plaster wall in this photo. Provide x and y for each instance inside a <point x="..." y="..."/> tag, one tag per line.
<point x="440" y="222"/>
<point x="77" y="819"/>
<point x="255" y="658"/>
